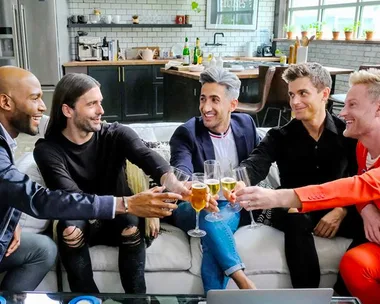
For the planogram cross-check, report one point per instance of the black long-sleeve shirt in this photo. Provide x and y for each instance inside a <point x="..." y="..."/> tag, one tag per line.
<point x="97" y="166"/>
<point x="302" y="160"/>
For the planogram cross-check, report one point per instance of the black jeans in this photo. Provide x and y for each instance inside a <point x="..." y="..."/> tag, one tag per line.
<point x="77" y="260"/>
<point x="300" y="251"/>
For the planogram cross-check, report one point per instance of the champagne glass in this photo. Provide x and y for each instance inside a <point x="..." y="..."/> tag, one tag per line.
<point x="212" y="180"/>
<point x="198" y="201"/>
<point x="175" y="182"/>
<point x="241" y="174"/>
<point x="228" y="182"/>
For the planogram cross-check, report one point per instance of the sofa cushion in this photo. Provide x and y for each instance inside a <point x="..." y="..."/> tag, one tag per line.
<point x="27" y="165"/>
<point x="169" y="252"/>
<point x="159" y="131"/>
<point x="262" y="251"/>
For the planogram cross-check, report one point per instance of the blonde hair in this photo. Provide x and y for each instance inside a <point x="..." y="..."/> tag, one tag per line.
<point x="370" y="78"/>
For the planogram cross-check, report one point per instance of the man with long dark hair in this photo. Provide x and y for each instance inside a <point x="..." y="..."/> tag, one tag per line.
<point x="27" y="257"/>
<point x="82" y="154"/>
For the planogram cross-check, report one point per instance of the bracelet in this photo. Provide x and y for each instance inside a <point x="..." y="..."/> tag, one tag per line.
<point x="125" y="201"/>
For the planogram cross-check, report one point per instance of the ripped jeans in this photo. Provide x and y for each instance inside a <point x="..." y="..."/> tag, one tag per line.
<point x="75" y="254"/>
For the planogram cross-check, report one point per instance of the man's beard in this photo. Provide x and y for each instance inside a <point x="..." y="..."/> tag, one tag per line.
<point x="84" y="125"/>
<point x="22" y="123"/>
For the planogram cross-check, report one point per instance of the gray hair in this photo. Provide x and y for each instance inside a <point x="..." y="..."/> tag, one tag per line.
<point x="318" y="75"/>
<point x="220" y="76"/>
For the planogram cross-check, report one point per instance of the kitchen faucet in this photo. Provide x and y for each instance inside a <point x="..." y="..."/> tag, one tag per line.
<point x="214" y="43"/>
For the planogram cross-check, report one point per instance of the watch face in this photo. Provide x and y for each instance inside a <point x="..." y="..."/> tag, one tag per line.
<point x="2" y="300"/>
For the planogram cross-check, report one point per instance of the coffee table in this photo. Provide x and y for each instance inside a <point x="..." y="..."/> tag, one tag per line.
<point x="114" y="298"/>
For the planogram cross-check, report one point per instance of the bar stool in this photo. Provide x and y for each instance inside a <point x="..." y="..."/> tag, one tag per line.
<point x="278" y="99"/>
<point x="265" y="76"/>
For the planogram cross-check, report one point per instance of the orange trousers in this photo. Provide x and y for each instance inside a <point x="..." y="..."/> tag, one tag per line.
<point x="360" y="269"/>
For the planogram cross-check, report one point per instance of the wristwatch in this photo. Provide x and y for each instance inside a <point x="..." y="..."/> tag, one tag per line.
<point x="125" y="201"/>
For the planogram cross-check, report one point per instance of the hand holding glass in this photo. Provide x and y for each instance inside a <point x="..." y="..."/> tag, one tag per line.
<point x="175" y="182"/>
<point x="199" y="193"/>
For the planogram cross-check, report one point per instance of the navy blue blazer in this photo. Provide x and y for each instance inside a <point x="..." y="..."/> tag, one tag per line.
<point x="191" y="144"/>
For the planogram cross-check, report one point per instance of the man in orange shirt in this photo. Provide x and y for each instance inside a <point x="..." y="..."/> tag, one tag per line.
<point x="360" y="267"/>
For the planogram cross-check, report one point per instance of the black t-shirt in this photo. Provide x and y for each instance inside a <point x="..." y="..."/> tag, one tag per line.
<point x="97" y="166"/>
<point x="302" y="160"/>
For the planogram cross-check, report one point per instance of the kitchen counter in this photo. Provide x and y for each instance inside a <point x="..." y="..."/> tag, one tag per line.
<point x="247" y="74"/>
<point x="153" y="62"/>
<point x="118" y="63"/>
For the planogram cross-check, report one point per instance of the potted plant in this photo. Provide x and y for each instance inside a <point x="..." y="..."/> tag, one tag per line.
<point x="135" y="19"/>
<point x="368" y="34"/>
<point x="304" y="29"/>
<point x="335" y="33"/>
<point x="349" y="29"/>
<point x="318" y="26"/>
<point x="289" y="31"/>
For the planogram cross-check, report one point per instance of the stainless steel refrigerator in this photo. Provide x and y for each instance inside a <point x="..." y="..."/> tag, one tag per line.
<point x="34" y="36"/>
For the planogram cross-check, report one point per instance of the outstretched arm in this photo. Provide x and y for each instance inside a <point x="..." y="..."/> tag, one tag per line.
<point x="339" y="193"/>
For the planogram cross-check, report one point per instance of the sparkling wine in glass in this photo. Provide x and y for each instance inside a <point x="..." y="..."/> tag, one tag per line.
<point x="212" y="180"/>
<point x="199" y="192"/>
<point x="228" y="182"/>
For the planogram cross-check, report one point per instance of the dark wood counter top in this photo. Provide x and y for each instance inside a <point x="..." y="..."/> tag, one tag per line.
<point x="247" y="74"/>
<point x="155" y="61"/>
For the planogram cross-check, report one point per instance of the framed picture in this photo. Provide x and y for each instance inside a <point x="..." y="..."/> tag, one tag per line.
<point x="232" y="14"/>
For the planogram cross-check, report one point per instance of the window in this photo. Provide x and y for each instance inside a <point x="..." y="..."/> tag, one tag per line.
<point x="334" y="15"/>
<point x="231" y="14"/>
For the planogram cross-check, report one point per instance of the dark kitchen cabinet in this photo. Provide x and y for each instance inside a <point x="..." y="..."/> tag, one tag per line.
<point x="158" y="91"/>
<point x="138" y="92"/>
<point x="109" y="78"/>
<point x="131" y="93"/>
<point x="181" y="98"/>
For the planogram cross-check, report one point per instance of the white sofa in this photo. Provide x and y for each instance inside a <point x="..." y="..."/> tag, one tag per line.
<point x="173" y="260"/>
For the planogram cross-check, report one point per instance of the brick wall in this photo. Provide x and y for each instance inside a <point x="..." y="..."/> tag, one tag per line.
<point x="340" y="54"/>
<point x="165" y="11"/>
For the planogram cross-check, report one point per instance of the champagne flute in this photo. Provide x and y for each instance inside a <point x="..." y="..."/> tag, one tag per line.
<point x="212" y="180"/>
<point x="241" y="174"/>
<point x="228" y="182"/>
<point x="175" y="181"/>
<point x="198" y="201"/>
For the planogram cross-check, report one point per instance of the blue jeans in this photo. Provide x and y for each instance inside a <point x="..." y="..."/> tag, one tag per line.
<point x="28" y="265"/>
<point x="220" y="257"/>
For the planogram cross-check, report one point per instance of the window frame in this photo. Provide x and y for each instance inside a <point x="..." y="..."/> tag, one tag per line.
<point x="358" y="5"/>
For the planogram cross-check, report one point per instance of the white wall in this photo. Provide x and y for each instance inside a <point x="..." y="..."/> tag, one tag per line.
<point x="166" y="37"/>
<point x="348" y="55"/>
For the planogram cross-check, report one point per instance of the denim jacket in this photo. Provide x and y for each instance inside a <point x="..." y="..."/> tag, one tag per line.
<point x="18" y="193"/>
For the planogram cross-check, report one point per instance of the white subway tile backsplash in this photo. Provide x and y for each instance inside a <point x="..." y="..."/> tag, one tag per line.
<point x="164" y="11"/>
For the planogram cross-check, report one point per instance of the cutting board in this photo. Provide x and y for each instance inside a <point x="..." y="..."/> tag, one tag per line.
<point x="157" y="48"/>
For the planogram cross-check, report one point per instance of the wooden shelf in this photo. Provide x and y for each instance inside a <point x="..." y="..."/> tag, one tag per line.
<point x="129" y="25"/>
<point x="353" y="41"/>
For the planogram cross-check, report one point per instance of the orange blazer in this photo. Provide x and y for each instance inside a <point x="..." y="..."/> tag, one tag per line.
<point x="360" y="189"/>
